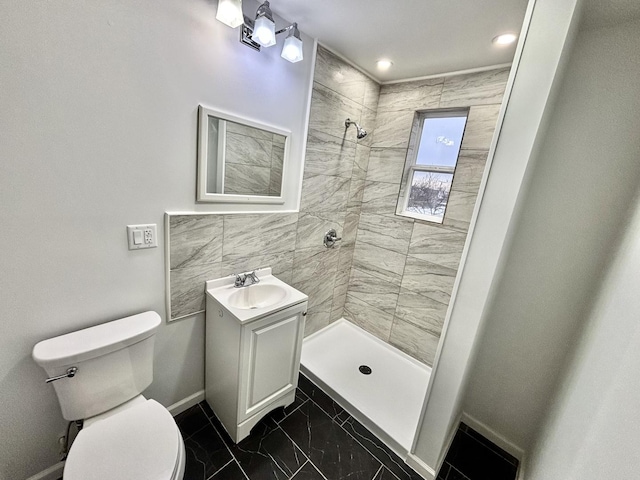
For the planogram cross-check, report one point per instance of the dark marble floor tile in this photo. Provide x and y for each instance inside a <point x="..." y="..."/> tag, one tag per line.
<point x="380" y="450"/>
<point x="281" y="413"/>
<point x="444" y="471"/>
<point x="221" y="430"/>
<point x="308" y="472"/>
<point x="455" y="474"/>
<point x="342" y="417"/>
<point x="489" y="444"/>
<point x="231" y="471"/>
<point x="206" y="454"/>
<point x="334" y="452"/>
<point x="324" y="401"/>
<point x="268" y="454"/>
<point x="191" y="420"/>
<point x="385" y="474"/>
<point x="206" y="409"/>
<point x="477" y="461"/>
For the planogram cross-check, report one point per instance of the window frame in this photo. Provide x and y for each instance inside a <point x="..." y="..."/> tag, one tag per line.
<point x="412" y="156"/>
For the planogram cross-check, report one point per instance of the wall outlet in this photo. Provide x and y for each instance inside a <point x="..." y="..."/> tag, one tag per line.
<point x="142" y="236"/>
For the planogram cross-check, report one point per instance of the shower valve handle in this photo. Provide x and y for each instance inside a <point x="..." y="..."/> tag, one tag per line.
<point x="330" y="238"/>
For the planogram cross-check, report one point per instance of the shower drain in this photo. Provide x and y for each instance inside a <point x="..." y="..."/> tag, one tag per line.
<point x="365" y="369"/>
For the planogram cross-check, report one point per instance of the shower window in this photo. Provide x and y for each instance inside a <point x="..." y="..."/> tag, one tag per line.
<point x="431" y="162"/>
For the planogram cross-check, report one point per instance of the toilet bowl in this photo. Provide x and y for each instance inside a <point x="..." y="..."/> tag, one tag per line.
<point x="99" y="374"/>
<point x="139" y="442"/>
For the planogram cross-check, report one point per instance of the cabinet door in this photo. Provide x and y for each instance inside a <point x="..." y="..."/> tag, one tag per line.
<point x="271" y="360"/>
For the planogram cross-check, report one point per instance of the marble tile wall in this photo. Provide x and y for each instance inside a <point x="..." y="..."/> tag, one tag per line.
<point x="391" y="275"/>
<point x="207" y="246"/>
<point x="333" y="185"/>
<point x="253" y="161"/>
<point x="403" y="269"/>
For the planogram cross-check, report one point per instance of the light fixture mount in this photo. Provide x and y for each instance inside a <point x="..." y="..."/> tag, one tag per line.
<point x="245" y="34"/>
<point x="261" y="32"/>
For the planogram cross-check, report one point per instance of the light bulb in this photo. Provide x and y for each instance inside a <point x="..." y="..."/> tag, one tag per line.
<point x="292" y="48"/>
<point x="230" y="13"/>
<point x="384" y="64"/>
<point x="505" y="39"/>
<point x="264" y="32"/>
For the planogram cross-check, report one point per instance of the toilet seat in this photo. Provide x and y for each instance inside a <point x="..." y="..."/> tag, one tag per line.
<point x="142" y="442"/>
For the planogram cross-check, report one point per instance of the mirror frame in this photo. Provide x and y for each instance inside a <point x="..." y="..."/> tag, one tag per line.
<point x="201" y="191"/>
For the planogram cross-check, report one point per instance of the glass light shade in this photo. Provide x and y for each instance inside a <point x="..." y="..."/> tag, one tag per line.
<point x="230" y="12"/>
<point x="264" y="32"/>
<point x="292" y="49"/>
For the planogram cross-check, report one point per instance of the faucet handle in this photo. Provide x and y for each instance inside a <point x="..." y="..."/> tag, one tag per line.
<point x="240" y="279"/>
<point x="254" y="277"/>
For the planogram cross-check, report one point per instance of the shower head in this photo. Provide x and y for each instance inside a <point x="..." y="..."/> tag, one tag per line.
<point x="360" y="132"/>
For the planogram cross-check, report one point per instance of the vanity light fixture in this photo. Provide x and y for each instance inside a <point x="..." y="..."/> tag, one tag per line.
<point x="260" y="32"/>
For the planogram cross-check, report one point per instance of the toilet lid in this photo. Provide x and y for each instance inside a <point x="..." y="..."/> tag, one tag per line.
<point x="141" y="442"/>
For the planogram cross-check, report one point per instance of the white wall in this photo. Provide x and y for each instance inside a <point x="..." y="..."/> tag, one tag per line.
<point x="570" y="215"/>
<point x="98" y="122"/>
<point x="591" y="430"/>
<point x="536" y="79"/>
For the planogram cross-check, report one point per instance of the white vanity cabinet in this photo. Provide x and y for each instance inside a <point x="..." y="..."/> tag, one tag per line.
<point x="252" y="365"/>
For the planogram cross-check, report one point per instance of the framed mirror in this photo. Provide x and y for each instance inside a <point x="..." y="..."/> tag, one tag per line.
<point x="239" y="160"/>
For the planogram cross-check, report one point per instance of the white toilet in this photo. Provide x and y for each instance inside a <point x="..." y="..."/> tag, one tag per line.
<point x="102" y="371"/>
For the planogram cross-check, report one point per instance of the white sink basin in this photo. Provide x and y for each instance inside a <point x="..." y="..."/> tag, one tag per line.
<point x="257" y="296"/>
<point x="252" y="302"/>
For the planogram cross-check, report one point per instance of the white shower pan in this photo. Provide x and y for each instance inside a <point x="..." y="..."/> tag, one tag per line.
<point x="388" y="401"/>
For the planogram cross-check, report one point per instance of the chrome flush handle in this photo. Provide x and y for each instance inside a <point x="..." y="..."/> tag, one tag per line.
<point x="71" y="372"/>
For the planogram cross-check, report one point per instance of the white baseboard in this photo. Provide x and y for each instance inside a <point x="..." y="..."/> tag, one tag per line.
<point x="419" y="466"/>
<point x="494" y="436"/>
<point x="55" y="471"/>
<point x="52" y="473"/>
<point x="186" y="403"/>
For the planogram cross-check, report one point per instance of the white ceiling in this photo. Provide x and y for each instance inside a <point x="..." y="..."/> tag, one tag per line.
<point x="421" y="37"/>
<point x="600" y="13"/>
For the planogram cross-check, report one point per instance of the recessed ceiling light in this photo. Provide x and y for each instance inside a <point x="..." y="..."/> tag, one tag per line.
<point x="504" y="39"/>
<point x="384" y="64"/>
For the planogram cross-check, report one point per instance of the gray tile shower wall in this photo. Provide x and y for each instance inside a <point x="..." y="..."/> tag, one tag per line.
<point x="333" y="185"/>
<point x="203" y="247"/>
<point x="391" y="275"/>
<point x="403" y="269"/>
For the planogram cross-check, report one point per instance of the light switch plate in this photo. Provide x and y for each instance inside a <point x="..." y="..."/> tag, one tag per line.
<point x="149" y="236"/>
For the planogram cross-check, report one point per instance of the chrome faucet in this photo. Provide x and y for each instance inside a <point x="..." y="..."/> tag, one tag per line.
<point x="246" y="279"/>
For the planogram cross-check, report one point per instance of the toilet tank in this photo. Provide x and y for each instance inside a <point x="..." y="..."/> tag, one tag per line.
<point x="114" y="361"/>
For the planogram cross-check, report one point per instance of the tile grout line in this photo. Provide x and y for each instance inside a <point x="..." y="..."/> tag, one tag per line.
<point x="490" y="447"/>
<point x="221" y="468"/>
<point x="376" y="474"/>
<point x="301" y="451"/>
<point x="300" y="468"/>
<point x="366" y="449"/>
<point x="291" y="412"/>
<point x="323" y="410"/>
<point x="341" y="425"/>
<point x="451" y="467"/>
<point x="233" y="457"/>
